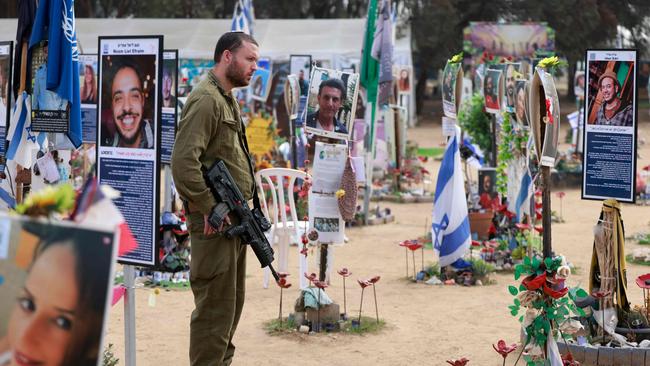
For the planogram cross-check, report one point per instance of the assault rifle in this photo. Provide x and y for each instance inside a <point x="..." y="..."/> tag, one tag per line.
<point x="252" y="223"/>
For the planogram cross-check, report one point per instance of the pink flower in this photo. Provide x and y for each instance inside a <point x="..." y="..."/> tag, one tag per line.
<point x="363" y="283"/>
<point x="344" y="272"/>
<point x="460" y="362"/>
<point x="374" y="279"/>
<point x="282" y="282"/>
<point x="503" y="349"/>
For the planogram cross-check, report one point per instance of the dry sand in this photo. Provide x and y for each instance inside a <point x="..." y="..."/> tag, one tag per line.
<point x="426" y="325"/>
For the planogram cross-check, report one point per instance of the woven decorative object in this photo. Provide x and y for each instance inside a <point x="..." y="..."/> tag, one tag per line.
<point x="348" y="202"/>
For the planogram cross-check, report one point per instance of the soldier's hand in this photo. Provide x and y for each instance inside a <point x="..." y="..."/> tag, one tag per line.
<point x="224" y="224"/>
<point x="207" y="228"/>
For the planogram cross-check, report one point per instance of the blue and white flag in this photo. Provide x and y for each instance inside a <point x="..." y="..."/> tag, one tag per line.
<point x="450" y="224"/>
<point x="55" y="22"/>
<point x="243" y="17"/>
<point x="522" y="205"/>
<point x="477" y="158"/>
<point x="23" y="141"/>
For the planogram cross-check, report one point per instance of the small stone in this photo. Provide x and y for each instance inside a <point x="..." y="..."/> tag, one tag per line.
<point x="433" y="281"/>
<point x="303" y="329"/>
<point x="478" y="283"/>
<point x="507" y="266"/>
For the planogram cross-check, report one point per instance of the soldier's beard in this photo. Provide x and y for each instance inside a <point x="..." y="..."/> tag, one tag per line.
<point x="236" y="76"/>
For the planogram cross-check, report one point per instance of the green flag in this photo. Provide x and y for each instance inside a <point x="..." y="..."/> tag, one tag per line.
<point x="370" y="67"/>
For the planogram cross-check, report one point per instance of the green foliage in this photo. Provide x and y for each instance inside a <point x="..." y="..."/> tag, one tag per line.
<point x="49" y="200"/>
<point x="368" y="325"/>
<point x="473" y="119"/>
<point x="519" y="252"/>
<point x="108" y="359"/>
<point x="481" y="268"/>
<point x="433" y="270"/>
<point x="511" y="145"/>
<point x="553" y="312"/>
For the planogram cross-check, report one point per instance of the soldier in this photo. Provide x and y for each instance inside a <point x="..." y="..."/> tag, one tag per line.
<point x="211" y="128"/>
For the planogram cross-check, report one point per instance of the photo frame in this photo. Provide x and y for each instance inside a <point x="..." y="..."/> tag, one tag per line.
<point x="492" y="90"/>
<point x="334" y="93"/>
<point x="452" y="78"/>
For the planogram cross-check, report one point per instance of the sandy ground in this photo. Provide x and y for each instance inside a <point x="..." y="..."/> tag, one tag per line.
<point x="425" y="325"/>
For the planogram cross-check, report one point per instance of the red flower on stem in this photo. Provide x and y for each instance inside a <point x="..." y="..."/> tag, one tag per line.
<point x="311" y="277"/>
<point x="533" y="282"/>
<point x="539" y="229"/>
<point x="414" y="245"/>
<point x="556" y="294"/>
<point x="283" y="274"/>
<point x="320" y="284"/>
<point x="344" y="272"/>
<point x="567" y="360"/>
<point x="522" y="227"/>
<point x="363" y="283"/>
<point x="460" y="362"/>
<point x="476" y="243"/>
<point x="374" y="279"/>
<point x="282" y="282"/>
<point x="560" y="195"/>
<point x="601" y="294"/>
<point x="503" y="349"/>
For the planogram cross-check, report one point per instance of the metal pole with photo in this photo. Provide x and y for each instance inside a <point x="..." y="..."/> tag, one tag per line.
<point x="128" y="149"/>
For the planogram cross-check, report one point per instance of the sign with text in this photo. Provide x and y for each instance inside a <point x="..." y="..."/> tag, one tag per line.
<point x="260" y="136"/>
<point x="610" y="125"/>
<point x="169" y="113"/>
<point x="128" y="135"/>
<point x="50" y="112"/>
<point x="88" y="94"/>
<point x="6" y="62"/>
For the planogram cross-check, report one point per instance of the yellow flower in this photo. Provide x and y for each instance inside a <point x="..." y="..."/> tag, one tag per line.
<point x="156" y="291"/>
<point x="456" y="58"/>
<point x="340" y="193"/>
<point x="549" y="62"/>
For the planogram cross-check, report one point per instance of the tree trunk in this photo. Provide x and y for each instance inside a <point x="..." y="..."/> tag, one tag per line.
<point x="571" y="95"/>
<point x="420" y="91"/>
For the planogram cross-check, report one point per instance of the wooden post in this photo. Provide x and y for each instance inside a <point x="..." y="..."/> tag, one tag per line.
<point x="323" y="262"/>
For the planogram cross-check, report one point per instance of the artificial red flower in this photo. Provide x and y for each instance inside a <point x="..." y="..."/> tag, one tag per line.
<point x="460" y="362"/>
<point x="533" y="282"/>
<point x="424" y="171"/>
<point x="344" y="272"/>
<point x="282" y="282"/>
<point x="560" y="195"/>
<point x="538" y="214"/>
<point x="320" y="284"/>
<point x="503" y="349"/>
<point x="476" y="243"/>
<point x="567" y="360"/>
<point x="556" y="294"/>
<point x="601" y="294"/>
<point x="363" y="283"/>
<point x="304" y="251"/>
<point x="509" y="214"/>
<point x="414" y="245"/>
<point x="311" y="277"/>
<point x="283" y="274"/>
<point x="522" y="227"/>
<point x="646" y="168"/>
<point x="374" y="279"/>
<point x="538" y="193"/>
<point x="539" y="229"/>
<point x="492" y="230"/>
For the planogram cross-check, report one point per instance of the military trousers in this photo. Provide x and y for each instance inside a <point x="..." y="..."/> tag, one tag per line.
<point x="217" y="279"/>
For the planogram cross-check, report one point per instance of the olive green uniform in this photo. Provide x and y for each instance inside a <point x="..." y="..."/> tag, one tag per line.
<point x="211" y="129"/>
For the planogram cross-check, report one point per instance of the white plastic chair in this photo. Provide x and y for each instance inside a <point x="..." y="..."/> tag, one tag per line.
<point x="284" y="230"/>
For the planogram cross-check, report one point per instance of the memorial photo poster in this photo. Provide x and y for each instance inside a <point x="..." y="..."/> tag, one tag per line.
<point x="610" y="131"/>
<point x="520" y="101"/>
<point x="169" y="114"/>
<point x="491" y="92"/>
<point x="404" y="76"/>
<point x="260" y="84"/>
<point x="130" y="69"/>
<point x="50" y="112"/>
<point x="88" y="93"/>
<point x="324" y="215"/>
<point x="331" y="103"/>
<point x="61" y="270"/>
<point x="509" y="90"/>
<point x="300" y="65"/>
<point x="6" y="62"/>
<point x="451" y="88"/>
<point x="487" y="184"/>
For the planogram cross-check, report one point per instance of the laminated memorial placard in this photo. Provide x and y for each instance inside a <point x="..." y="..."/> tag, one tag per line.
<point x="56" y="279"/>
<point x="169" y="114"/>
<point x="509" y="86"/>
<point x="544" y="109"/>
<point x="129" y="135"/>
<point x="610" y="131"/>
<point x="521" y="94"/>
<point x="331" y="103"/>
<point x="6" y="63"/>
<point x="452" y="87"/>
<point x="492" y="90"/>
<point x="300" y="65"/>
<point x="259" y="135"/>
<point x="88" y="94"/>
<point x="260" y="84"/>
<point x="50" y="112"/>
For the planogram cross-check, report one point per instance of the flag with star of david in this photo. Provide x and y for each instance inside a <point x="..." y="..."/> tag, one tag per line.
<point x="450" y="224"/>
<point x="23" y="141"/>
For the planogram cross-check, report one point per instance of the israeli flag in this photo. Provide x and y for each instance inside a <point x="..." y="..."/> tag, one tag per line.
<point x="450" y="224"/>
<point x="23" y="141"/>
<point x="243" y="17"/>
<point x="522" y="204"/>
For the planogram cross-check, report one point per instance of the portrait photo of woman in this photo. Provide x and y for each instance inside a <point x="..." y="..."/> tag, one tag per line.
<point x="88" y="92"/>
<point x="56" y="315"/>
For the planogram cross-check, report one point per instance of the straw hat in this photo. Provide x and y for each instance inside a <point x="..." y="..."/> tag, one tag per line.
<point x="609" y="74"/>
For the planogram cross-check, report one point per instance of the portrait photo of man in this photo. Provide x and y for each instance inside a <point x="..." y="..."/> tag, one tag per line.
<point x="491" y="90"/>
<point x="168" y="84"/>
<point x="613" y="111"/>
<point x="511" y="70"/>
<point x="331" y="95"/>
<point x="520" y="101"/>
<point x="127" y="112"/>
